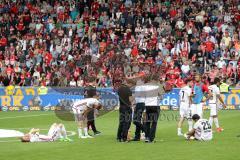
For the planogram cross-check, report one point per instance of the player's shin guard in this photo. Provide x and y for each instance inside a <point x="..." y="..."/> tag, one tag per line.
<point x="190" y="124"/>
<point x="216" y="122"/>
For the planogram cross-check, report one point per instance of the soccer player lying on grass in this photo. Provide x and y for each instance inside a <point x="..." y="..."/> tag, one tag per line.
<point x="201" y="131"/>
<point x="81" y="109"/>
<point x="56" y="132"/>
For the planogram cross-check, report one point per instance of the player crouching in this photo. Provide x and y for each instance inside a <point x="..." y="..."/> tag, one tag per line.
<point x="201" y="131"/>
<point x="80" y="109"/>
<point x="56" y="132"/>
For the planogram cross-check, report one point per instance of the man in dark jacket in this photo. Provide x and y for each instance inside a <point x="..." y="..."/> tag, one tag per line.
<point x="125" y="111"/>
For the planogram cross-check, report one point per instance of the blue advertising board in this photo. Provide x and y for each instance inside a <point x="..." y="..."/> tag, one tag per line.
<point x="27" y="99"/>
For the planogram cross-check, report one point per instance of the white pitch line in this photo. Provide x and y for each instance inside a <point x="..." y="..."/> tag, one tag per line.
<point x="25" y="116"/>
<point x="10" y="141"/>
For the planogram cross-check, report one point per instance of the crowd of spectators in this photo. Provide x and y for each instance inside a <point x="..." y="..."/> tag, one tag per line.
<point x="64" y="42"/>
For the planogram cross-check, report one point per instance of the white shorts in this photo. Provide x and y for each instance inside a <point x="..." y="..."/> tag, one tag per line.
<point x="54" y="132"/>
<point x="213" y="109"/>
<point x="197" y="109"/>
<point x="184" y="110"/>
<point x="79" y="117"/>
<point x="203" y="139"/>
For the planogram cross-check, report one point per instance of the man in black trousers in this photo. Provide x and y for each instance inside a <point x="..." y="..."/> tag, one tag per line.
<point x="125" y="111"/>
<point x="91" y="92"/>
<point x="153" y="92"/>
<point x="139" y="95"/>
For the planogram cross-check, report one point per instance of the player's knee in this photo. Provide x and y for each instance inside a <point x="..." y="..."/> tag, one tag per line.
<point x="80" y="124"/>
<point x="61" y="125"/>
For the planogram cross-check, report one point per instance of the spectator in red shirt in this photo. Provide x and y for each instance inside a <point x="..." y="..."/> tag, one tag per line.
<point x="3" y="43"/>
<point x="209" y="47"/>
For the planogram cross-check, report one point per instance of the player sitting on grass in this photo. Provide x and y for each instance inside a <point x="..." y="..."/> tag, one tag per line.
<point x="201" y="131"/>
<point x="81" y="109"/>
<point x="56" y="132"/>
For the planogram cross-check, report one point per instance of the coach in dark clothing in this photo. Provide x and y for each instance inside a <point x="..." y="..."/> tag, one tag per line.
<point x="125" y="112"/>
<point x="91" y="92"/>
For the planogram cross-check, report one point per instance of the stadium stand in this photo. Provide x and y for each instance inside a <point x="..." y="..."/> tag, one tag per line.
<point x="63" y="43"/>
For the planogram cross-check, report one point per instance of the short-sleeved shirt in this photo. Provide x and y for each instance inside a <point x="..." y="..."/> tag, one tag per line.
<point x="184" y="94"/>
<point x="203" y="130"/>
<point x="139" y="94"/>
<point x="214" y="89"/>
<point x="124" y="92"/>
<point x="152" y="93"/>
<point x="80" y="106"/>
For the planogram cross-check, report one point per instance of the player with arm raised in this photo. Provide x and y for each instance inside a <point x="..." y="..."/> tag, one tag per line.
<point x="80" y="110"/>
<point x="213" y="103"/>
<point x="56" y="132"/>
<point x="185" y="102"/>
<point x="201" y="131"/>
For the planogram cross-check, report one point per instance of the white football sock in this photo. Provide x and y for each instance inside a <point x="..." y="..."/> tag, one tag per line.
<point x="63" y="132"/>
<point x="190" y="124"/>
<point x="216" y="122"/>
<point x="179" y="130"/>
<point x="80" y="132"/>
<point x="211" y="121"/>
<point x="85" y="131"/>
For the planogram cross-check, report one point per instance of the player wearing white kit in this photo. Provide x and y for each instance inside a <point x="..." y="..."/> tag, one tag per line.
<point x="80" y="110"/>
<point x="185" y="102"/>
<point x="56" y="132"/>
<point x="213" y="103"/>
<point x="202" y="130"/>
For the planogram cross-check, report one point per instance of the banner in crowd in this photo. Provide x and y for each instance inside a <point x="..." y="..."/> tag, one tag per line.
<point x="28" y="99"/>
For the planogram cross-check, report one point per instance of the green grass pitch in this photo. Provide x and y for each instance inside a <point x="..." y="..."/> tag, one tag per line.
<point x="224" y="146"/>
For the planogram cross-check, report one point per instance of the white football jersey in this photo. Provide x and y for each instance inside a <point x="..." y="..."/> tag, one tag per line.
<point x="203" y="130"/>
<point x="184" y="94"/>
<point x="81" y="106"/>
<point x="40" y="138"/>
<point x="214" y="89"/>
